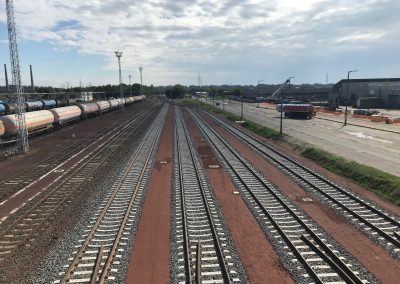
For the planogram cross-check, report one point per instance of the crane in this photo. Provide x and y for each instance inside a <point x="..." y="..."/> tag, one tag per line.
<point x="280" y="88"/>
<point x="22" y="134"/>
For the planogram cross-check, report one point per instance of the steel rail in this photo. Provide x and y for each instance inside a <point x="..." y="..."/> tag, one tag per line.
<point x="99" y="258"/>
<point x="217" y="242"/>
<point x="106" y="268"/>
<point x="186" y="247"/>
<point x="19" y="242"/>
<point x="316" y="175"/>
<point x="348" y="275"/>
<point x="23" y="177"/>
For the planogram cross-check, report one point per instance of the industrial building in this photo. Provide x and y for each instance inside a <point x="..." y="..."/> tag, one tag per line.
<point x="368" y="93"/>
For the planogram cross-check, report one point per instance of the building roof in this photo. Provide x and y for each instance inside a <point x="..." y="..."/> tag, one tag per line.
<point x="369" y="80"/>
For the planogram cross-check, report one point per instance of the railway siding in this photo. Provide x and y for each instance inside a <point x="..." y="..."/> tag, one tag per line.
<point x="308" y="252"/>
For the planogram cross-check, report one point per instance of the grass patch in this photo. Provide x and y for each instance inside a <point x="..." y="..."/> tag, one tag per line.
<point x="252" y="126"/>
<point x="383" y="184"/>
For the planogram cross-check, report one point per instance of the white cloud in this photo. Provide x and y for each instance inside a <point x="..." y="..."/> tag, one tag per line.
<point x="185" y="35"/>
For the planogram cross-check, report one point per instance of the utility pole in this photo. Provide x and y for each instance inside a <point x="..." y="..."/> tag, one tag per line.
<point x="281" y="124"/>
<point x="22" y="133"/>
<point x="258" y="101"/>
<point x="141" y="80"/>
<point x="32" y="86"/>
<point x="130" y="85"/>
<point x="347" y="96"/>
<point x="6" y="77"/>
<point x="118" y="54"/>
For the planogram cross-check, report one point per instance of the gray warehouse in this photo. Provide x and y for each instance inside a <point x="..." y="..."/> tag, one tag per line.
<point x="365" y="93"/>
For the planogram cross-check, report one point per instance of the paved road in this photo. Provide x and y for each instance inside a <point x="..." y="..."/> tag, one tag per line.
<point x="372" y="147"/>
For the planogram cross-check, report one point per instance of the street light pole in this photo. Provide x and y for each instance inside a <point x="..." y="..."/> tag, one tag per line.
<point x="281" y="124"/>
<point x="347" y="96"/>
<point x="141" y="80"/>
<point x="130" y="85"/>
<point x="241" y="108"/>
<point x="258" y="101"/>
<point x="119" y="55"/>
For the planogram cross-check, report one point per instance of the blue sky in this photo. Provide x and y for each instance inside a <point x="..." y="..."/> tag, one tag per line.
<point x="226" y="41"/>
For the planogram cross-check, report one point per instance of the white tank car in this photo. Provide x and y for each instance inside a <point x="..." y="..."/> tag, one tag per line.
<point x="129" y="100"/>
<point x="88" y="108"/>
<point x="104" y="106"/>
<point x="35" y="120"/>
<point x="66" y="114"/>
<point x="121" y="102"/>
<point x="113" y="103"/>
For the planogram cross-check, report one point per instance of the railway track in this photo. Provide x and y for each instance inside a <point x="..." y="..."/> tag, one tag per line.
<point x="24" y="178"/>
<point x="98" y="253"/>
<point x="308" y="252"/>
<point x="376" y="223"/>
<point x="27" y="223"/>
<point x="203" y="253"/>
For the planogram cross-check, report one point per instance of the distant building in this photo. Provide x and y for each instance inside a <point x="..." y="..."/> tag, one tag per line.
<point x="383" y="92"/>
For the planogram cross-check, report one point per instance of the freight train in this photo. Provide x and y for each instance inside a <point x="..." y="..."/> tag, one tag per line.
<point x="10" y="108"/>
<point x="44" y="119"/>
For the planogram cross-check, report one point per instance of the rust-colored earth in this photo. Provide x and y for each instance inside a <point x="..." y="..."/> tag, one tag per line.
<point x="149" y="261"/>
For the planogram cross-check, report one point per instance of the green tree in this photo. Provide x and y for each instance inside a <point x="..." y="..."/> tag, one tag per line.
<point x="177" y="91"/>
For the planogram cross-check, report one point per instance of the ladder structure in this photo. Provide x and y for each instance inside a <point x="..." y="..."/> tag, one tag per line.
<point x="22" y="134"/>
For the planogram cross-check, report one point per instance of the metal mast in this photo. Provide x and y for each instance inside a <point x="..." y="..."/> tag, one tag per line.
<point x="118" y="54"/>
<point x="141" y="80"/>
<point x="22" y="134"/>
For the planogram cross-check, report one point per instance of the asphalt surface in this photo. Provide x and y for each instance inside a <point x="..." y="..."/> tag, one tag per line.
<point x="371" y="146"/>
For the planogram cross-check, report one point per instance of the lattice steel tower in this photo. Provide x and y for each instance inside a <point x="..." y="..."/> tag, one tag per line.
<point x="22" y="134"/>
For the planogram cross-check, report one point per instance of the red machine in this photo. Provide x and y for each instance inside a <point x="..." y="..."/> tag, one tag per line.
<point x="297" y="110"/>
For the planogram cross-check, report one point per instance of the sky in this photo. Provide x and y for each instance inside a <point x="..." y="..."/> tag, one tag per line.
<point x="231" y="42"/>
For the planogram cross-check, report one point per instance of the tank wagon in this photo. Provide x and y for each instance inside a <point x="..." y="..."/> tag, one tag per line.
<point x="88" y="109"/>
<point x="31" y="106"/>
<point x="71" y="101"/>
<point x="2" y="128"/>
<point x="61" y="103"/>
<point x="66" y="114"/>
<point x="297" y="110"/>
<point x="35" y="121"/>
<point x="47" y="104"/>
<point x="10" y="108"/>
<point x="2" y="108"/>
<point x="40" y="120"/>
<point x="113" y="103"/>
<point x="104" y="106"/>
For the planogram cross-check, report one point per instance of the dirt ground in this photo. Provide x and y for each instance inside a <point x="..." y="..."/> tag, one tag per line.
<point x="149" y="261"/>
<point x="258" y="257"/>
<point x="371" y="256"/>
